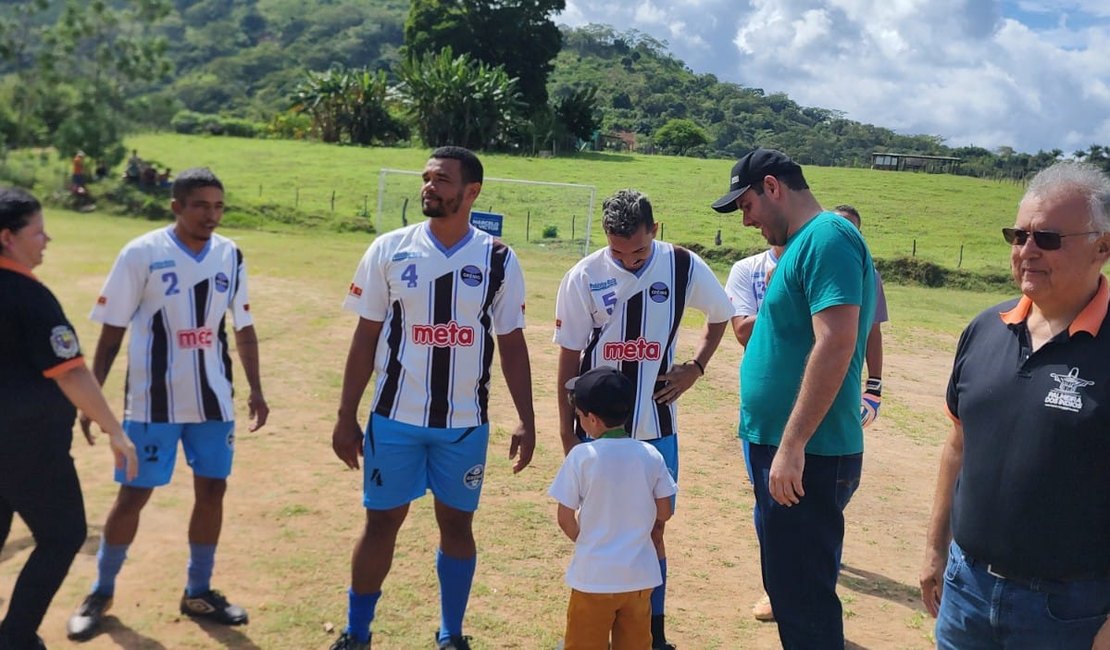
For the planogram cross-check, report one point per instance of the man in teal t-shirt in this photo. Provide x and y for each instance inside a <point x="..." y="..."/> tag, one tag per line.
<point x="800" y="391"/>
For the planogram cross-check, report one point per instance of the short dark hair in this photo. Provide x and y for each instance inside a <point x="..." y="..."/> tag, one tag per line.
<point x="625" y="213"/>
<point x="16" y="208"/>
<point x="793" y="180"/>
<point x="849" y="209"/>
<point x="472" y="171"/>
<point x="191" y="179"/>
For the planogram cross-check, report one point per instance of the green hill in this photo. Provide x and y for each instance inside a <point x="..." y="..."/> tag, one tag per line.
<point x="933" y="215"/>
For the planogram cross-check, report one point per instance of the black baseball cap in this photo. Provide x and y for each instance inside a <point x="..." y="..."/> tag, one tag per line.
<point x="603" y="391"/>
<point x="751" y="169"/>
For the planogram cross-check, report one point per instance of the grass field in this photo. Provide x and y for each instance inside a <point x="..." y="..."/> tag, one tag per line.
<point x="936" y="215"/>
<point x="293" y="512"/>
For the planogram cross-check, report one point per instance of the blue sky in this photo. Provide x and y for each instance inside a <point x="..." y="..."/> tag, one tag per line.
<point x="1030" y="74"/>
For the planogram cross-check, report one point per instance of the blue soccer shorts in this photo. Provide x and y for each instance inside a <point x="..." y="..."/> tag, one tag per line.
<point x="209" y="449"/>
<point x="668" y="447"/>
<point x="403" y="461"/>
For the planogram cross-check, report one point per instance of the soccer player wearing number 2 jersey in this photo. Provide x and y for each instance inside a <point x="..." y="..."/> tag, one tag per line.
<point x="622" y="307"/>
<point x="174" y="287"/>
<point x="430" y="298"/>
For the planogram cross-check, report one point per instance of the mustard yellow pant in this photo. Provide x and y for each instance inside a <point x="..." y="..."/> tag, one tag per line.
<point x="592" y="617"/>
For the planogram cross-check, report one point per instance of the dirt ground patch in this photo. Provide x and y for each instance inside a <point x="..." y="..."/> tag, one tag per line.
<point x="293" y="512"/>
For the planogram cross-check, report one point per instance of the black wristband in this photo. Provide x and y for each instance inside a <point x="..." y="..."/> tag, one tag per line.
<point x="698" y="364"/>
<point x="874" y="386"/>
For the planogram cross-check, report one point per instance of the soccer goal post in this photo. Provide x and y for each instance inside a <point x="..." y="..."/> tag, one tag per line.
<point x="542" y="213"/>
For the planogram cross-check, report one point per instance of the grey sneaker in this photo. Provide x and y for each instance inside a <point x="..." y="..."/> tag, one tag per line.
<point x="85" y="622"/>
<point x="212" y="605"/>
<point x="347" y="642"/>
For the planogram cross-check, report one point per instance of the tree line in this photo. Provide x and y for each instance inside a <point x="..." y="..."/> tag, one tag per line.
<point x="482" y="73"/>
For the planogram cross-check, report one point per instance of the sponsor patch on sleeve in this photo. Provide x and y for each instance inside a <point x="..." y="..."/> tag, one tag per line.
<point x="355" y="290"/>
<point x="102" y="300"/>
<point x="64" y="342"/>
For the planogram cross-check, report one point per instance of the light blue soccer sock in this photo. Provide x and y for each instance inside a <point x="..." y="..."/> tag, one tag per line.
<point x="455" y="577"/>
<point x="659" y="594"/>
<point x="360" y="613"/>
<point x="202" y="559"/>
<point x="109" y="561"/>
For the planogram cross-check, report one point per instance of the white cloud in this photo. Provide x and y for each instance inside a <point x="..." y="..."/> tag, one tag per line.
<point x="967" y="70"/>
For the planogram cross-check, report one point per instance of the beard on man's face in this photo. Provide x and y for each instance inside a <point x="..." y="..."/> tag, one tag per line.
<point x="439" y="207"/>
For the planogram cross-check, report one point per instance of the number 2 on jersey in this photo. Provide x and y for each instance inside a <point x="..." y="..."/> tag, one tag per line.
<point x="409" y="276"/>
<point x="170" y="278"/>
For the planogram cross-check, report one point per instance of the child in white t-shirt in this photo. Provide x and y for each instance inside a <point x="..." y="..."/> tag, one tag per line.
<point x="619" y="487"/>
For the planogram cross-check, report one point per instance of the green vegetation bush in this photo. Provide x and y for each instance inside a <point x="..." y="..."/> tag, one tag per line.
<point x="550" y="232"/>
<point x="193" y="123"/>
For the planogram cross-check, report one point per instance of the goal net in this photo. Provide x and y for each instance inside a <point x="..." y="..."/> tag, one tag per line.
<point x="556" y="215"/>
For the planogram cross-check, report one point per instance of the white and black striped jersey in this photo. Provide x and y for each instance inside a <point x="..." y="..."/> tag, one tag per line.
<point x="630" y="320"/>
<point x="440" y="309"/>
<point x="175" y="301"/>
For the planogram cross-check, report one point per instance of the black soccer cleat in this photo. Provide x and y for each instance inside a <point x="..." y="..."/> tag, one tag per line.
<point x="85" y="622"/>
<point x="212" y="606"/>
<point x="347" y="642"/>
<point x="453" y="643"/>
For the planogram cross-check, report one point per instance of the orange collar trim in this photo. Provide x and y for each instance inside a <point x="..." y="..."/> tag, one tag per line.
<point x="12" y="265"/>
<point x="1089" y="320"/>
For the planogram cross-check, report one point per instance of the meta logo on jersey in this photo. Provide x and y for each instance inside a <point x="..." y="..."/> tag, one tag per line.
<point x="659" y="292"/>
<point x="443" y="335"/>
<point x="196" y="339"/>
<point x="355" y="290"/>
<point x="163" y="264"/>
<point x="473" y="477"/>
<point x="221" y="282"/>
<point x="602" y="286"/>
<point x="471" y="275"/>
<point x="639" y="349"/>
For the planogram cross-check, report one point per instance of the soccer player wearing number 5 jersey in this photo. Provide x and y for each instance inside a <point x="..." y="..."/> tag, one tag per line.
<point x="174" y="287"/>
<point x="622" y="307"/>
<point x="430" y="299"/>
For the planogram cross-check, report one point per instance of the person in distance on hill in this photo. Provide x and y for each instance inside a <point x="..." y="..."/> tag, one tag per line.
<point x="800" y="391"/>
<point x="173" y="287"/>
<point x="42" y="377"/>
<point x="1017" y="553"/>
<point x="610" y="493"/>
<point x="430" y="298"/>
<point x="622" y="307"/>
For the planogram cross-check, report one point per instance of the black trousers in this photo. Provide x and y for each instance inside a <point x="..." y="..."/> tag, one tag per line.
<point x="39" y="482"/>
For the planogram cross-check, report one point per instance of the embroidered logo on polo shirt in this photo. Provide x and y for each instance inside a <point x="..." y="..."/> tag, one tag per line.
<point x="64" y="342"/>
<point x="1066" y="396"/>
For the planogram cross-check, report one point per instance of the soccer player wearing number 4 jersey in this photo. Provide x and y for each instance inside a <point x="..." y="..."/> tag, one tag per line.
<point x="174" y="287"/>
<point x="430" y="299"/>
<point x="622" y="307"/>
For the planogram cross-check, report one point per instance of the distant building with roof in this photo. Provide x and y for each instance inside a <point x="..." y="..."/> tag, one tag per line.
<point x="913" y="162"/>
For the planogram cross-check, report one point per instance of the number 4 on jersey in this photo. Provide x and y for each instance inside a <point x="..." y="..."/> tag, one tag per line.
<point x="409" y="276"/>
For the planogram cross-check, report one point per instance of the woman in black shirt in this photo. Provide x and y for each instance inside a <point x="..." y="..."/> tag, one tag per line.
<point x="42" y="378"/>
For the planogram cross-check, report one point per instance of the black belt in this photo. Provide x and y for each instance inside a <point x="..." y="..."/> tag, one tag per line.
<point x="1025" y="579"/>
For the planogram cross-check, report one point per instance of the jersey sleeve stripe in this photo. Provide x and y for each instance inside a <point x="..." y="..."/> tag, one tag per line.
<point x="633" y="319"/>
<point x="63" y="367"/>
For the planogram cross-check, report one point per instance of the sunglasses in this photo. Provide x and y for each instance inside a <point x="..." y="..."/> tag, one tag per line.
<point x="1045" y="240"/>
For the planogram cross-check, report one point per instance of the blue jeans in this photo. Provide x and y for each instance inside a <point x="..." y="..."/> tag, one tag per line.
<point x="800" y="547"/>
<point x="979" y="610"/>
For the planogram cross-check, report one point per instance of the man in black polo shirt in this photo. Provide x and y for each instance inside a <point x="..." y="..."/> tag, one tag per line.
<point x="1018" y="551"/>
